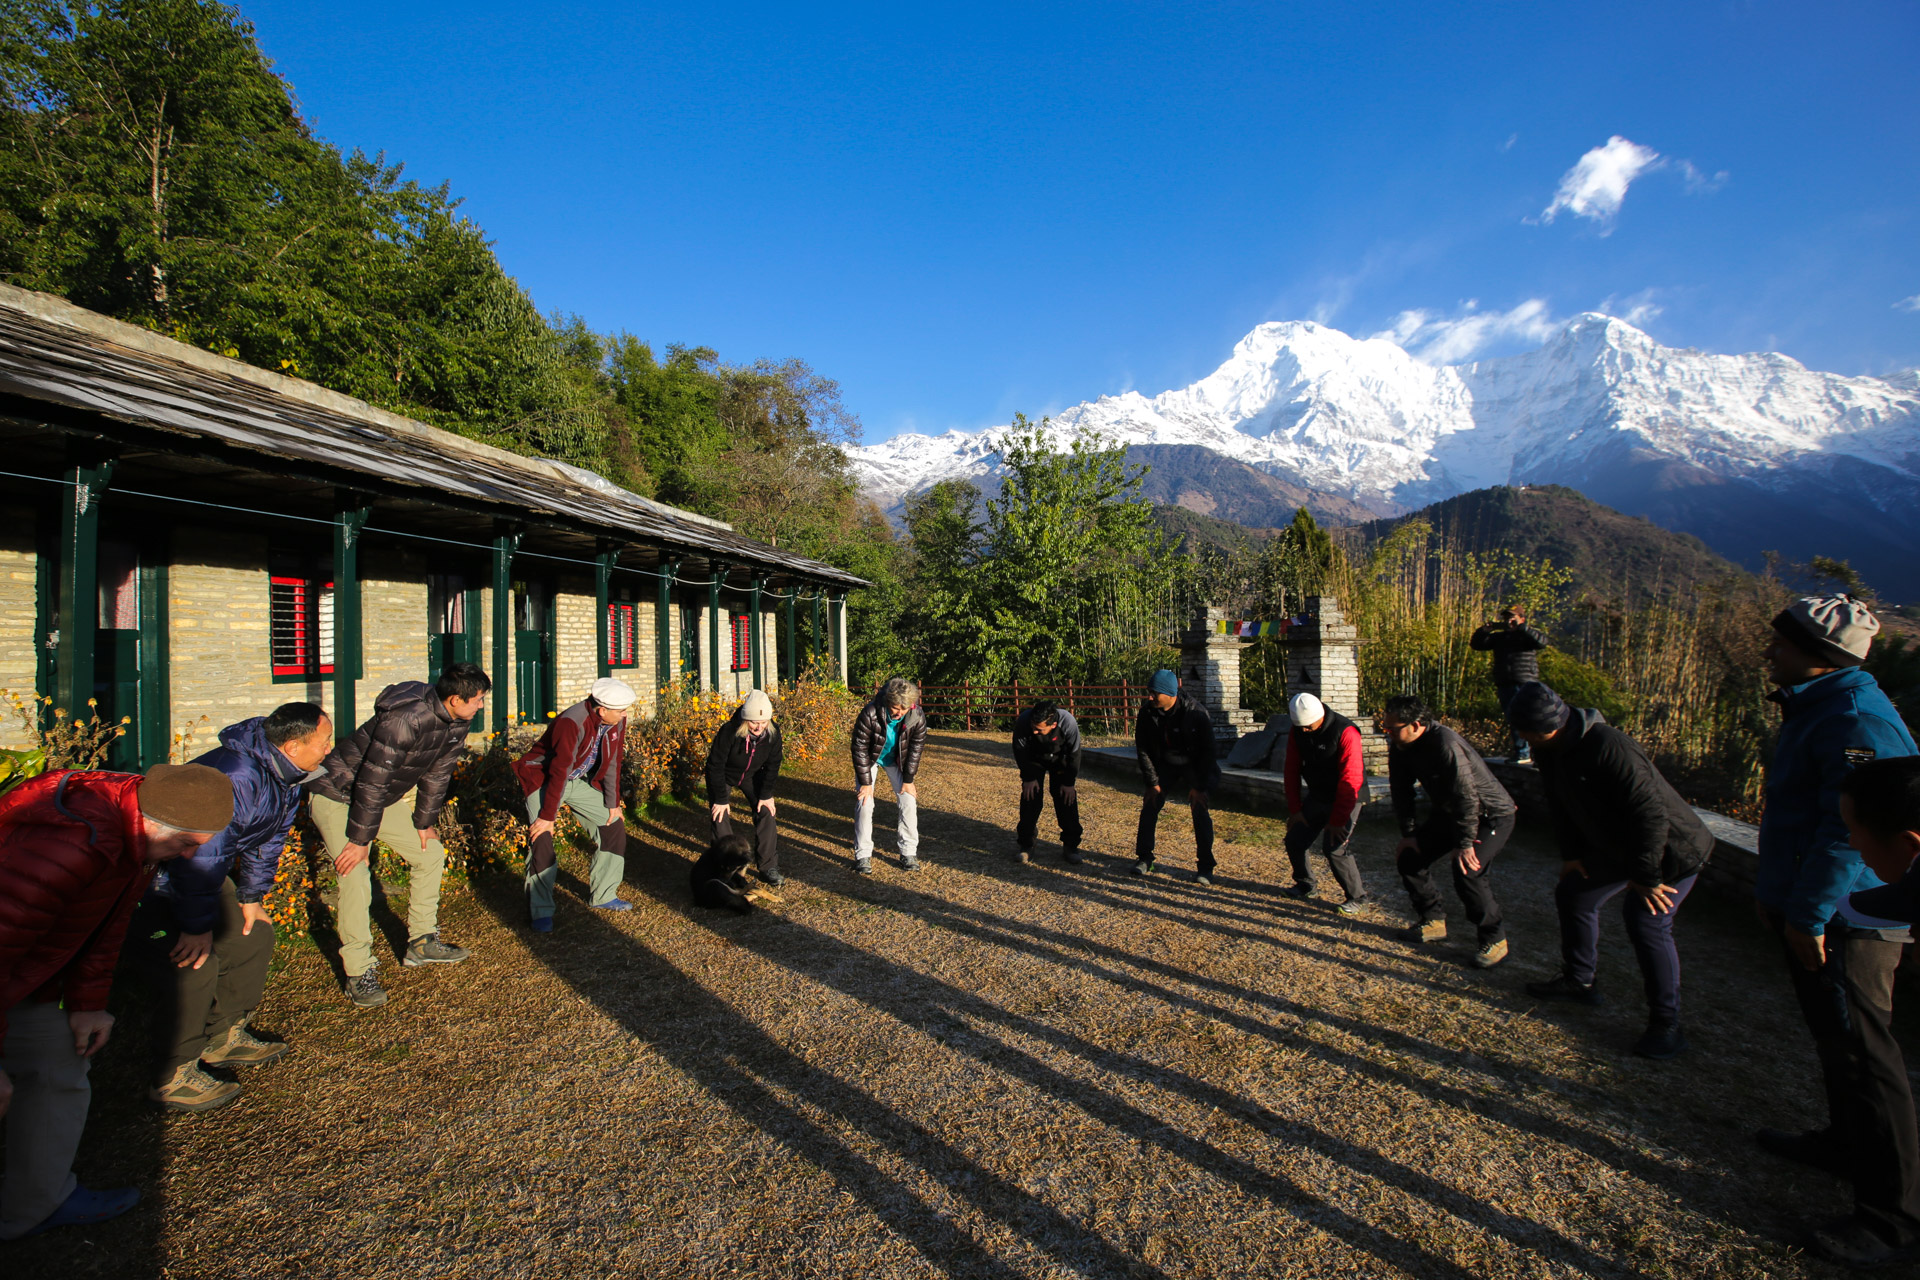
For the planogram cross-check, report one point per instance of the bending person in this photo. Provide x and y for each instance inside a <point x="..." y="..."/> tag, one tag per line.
<point x="1324" y="761"/>
<point x="576" y="763"/>
<point x="1471" y="820"/>
<point x="1173" y="742"/>
<point x="746" y="754"/>
<point x="1622" y="829"/>
<point x="888" y="737"/>
<point x="1046" y="748"/>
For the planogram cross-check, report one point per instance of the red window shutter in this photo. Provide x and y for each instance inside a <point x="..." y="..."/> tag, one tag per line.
<point x="742" y="643"/>
<point x="300" y="626"/>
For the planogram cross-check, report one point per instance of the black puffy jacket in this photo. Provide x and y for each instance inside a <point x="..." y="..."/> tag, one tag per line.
<point x="1464" y="792"/>
<point x="738" y="759"/>
<point x="412" y="740"/>
<point x="1515" y="650"/>
<point x="1613" y="811"/>
<point x="870" y="739"/>
<point x="1176" y="742"/>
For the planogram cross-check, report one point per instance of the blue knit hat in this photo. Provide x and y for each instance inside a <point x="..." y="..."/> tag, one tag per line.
<point x="1537" y="709"/>
<point x="1164" y="681"/>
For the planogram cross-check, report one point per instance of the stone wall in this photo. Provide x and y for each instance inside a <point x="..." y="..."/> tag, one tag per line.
<point x="576" y="648"/>
<point x="1210" y="670"/>
<point x="218" y="615"/>
<point x="393" y="624"/>
<point x="19" y="619"/>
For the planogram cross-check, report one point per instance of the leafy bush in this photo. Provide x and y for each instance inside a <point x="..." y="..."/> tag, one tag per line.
<point x="1584" y="685"/>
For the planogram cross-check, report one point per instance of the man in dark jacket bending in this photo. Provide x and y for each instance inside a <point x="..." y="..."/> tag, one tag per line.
<point x="219" y="937"/>
<point x="1621" y="829"/>
<point x="412" y="742"/>
<point x="1173" y="741"/>
<point x="1471" y="820"/>
<point x="1046" y="748"/>
<point x="1325" y="774"/>
<point x="1516" y="660"/>
<point x="746" y="754"/>
<point x="576" y="763"/>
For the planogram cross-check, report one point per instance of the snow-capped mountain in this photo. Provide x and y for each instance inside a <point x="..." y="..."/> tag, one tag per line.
<point x="1723" y="446"/>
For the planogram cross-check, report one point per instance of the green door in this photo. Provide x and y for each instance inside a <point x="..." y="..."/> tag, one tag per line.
<point x="453" y="622"/>
<point x="130" y="656"/>
<point x="533" y="651"/>
<point x="690" y="643"/>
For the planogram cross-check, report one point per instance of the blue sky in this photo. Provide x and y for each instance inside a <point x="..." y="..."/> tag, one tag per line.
<point x="960" y="212"/>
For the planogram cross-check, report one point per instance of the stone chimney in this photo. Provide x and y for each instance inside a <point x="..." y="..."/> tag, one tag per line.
<point x="1323" y="659"/>
<point x="1210" y="671"/>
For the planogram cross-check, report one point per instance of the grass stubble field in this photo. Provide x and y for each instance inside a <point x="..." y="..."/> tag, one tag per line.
<point x="982" y="1070"/>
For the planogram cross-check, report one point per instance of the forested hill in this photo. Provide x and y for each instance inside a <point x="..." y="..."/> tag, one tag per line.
<point x="1618" y="556"/>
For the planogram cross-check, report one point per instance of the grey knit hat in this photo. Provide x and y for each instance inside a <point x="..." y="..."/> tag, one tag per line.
<point x="1834" y="629"/>
<point x="1535" y="708"/>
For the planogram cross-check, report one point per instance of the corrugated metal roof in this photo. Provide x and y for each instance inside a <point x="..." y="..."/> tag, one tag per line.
<point x="56" y="353"/>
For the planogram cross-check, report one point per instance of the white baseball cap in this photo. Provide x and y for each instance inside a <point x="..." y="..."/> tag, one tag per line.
<point x="614" y="695"/>
<point x="1305" y="709"/>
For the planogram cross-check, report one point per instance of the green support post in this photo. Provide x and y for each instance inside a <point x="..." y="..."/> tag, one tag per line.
<point x="347" y="524"/>
<point x="754" y="645"/>
<point x="77" y="609"/>
<point x="505" y="543"/>
<point x="663" y="627"/>
<point x="819" y="636"/>
<point x="719" y="571"/>
<point x="603" y="597"/>
<point x="837" y="616"/>
<point x="793" y="635"/>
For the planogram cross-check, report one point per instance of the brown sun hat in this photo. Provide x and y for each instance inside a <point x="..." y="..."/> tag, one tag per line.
<point x="188" y="797"/>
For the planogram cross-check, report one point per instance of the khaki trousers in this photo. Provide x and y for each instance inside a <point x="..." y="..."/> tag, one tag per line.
<point x="609" y="849"/>
<point x="49" y="1111"/>
<point x="353" y="917"/>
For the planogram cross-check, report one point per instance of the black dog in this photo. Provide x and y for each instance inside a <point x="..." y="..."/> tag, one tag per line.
<point x="719" y="878"/>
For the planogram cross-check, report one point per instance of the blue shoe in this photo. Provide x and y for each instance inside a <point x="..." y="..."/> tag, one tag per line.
<point x="541" y="924"/>
<point x="84" y="1208"/>
<point x="613" y="904"/>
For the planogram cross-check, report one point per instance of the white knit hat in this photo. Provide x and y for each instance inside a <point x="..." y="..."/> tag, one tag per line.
<point x="1305" y="709"/>
<point x="614" y="695"/>
<point x="1836" y="629"/>
<point x="758" y="706"/>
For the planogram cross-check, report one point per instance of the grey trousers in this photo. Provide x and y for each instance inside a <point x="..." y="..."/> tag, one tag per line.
<point x="210" y="1000"/>
<point x="50" y="1097"/>
<point x="609" y="865"/>
<point x="909" y="819"/>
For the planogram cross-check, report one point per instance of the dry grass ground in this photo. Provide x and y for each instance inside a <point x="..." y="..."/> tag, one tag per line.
<point x="984" y="1070"/>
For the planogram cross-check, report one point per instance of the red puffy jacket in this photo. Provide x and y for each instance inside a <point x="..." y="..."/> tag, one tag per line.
<point x="73" y="862"/>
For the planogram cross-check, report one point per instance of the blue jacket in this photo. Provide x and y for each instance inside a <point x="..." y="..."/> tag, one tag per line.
<point x="266" y="795"/>
<point x="1830" y="724"/>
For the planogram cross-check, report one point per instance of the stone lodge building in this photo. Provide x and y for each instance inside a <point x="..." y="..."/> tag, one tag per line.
<point x="183" y="535"/>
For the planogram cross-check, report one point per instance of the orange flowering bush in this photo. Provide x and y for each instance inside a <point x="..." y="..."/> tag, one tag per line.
<point x="289" y="902"/>
<point x="667" y="753"/>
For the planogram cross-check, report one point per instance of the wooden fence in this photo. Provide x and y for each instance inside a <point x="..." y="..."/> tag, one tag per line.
<point x="1111" y="707"/>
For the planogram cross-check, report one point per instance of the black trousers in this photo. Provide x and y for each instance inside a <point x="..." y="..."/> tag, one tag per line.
<point x="1475" y="889"/>
<point x="1848" y="1005"/>
<point x="766" y="838"/>
<point x="1311" y="826"/>
<point x="202" y="1005"/>
<point x="1579" y="900"/>
<point x="1066" y="808"/>
<point x="1174" y="782"/>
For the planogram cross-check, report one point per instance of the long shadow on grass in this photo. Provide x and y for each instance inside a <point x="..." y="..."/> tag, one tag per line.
<point x="908" y="995"/>
<point x="747" y="1071"/>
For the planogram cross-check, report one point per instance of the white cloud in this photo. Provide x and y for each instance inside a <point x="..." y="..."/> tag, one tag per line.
<point x="1441" y="340"/>
<point x="1908" y="304"/>
<point x="1596" y="185"/>
<point x="1638" y="309"/>
<point x="1699" y="183"/>
<point x="1508" y="144"/>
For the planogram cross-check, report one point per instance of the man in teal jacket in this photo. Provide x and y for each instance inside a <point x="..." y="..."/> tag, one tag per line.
<point x="1834" y="719"/>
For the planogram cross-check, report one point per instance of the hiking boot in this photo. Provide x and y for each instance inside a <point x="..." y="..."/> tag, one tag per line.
<point x="1298" y="892"/>
<point x="1816" y="1147"/>
<point x="773" y="878"/>
<point x="541" y="924"/>
<point x="1427" y="931"/>
<point x="1202" y="878"/>
<point x="611" y="904"/>
<point x="1354" y="906"/>
<point x="1491" y="954"/>
<point x="191" y="1089"/>
<point x="1072" y="855"/>
<point x="366" y="990"/>
<point x="241" y="1048"/>
<point x="1023" y="855"/>
<point x="863" y="866"/>
<point x="83" y="1208"/>
<point x="428" y="949"/>
<point x="1662" y="1041"/>
<point x="1565" y="987"/>
<point x="1143" y="869"/>
<point x="1852" y="1243"/>
<point x="909" y="864"/>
